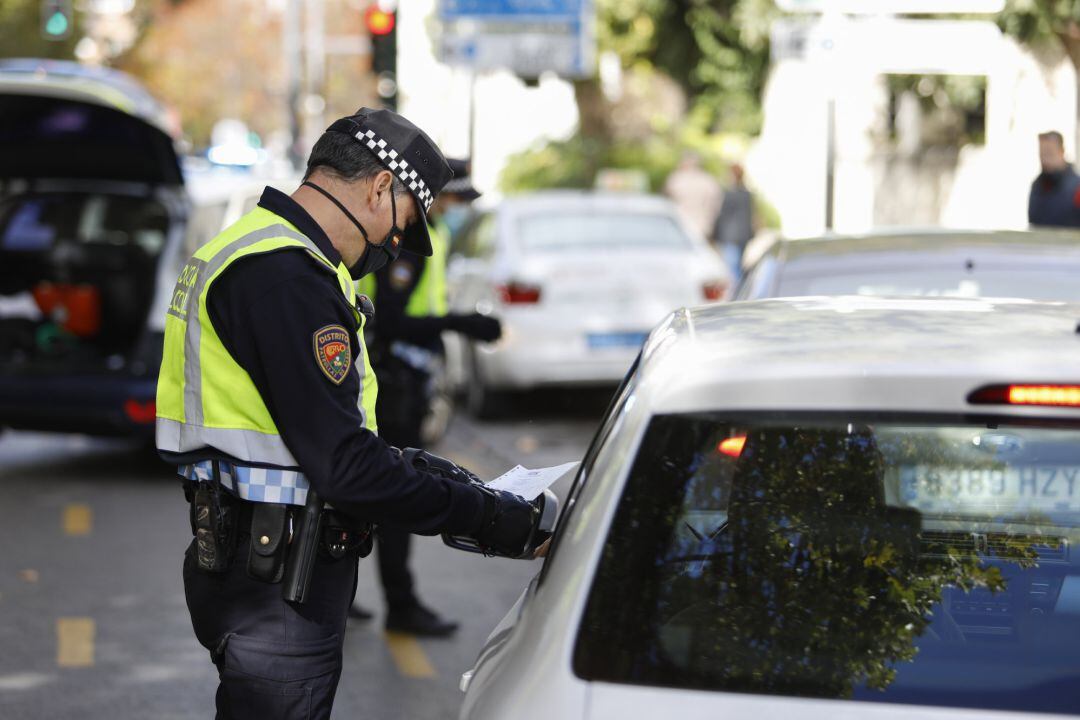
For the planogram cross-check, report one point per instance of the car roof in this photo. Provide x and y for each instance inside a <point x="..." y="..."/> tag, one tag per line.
<point x="98" y="85"/>
<point x="586" y="200"/>
<point x="910" y="242"/>
<point x="62" y="121"/>
<point x="844" y="353"/>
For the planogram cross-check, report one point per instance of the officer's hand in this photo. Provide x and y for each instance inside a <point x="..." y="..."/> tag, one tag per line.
<point x="508" y="524"/>
<point x="478" y="327"/>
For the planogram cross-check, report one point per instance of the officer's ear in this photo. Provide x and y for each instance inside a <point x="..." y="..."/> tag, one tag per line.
<point x="381" y="187"/>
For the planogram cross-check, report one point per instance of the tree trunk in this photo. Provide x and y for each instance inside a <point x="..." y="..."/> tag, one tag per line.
<point x="594" y="122"/>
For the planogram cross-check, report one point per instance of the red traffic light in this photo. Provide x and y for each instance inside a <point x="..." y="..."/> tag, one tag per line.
<point x="379" y="22"/>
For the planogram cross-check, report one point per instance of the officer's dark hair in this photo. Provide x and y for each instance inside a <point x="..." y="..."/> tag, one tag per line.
<point x="1053" y="135"/>
<point x="342" y="156"/>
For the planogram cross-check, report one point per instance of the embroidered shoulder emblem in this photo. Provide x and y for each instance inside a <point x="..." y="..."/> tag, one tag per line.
<point x="333" y="352"/>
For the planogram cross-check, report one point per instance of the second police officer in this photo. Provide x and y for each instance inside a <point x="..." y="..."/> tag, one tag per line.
<point x="266" y="394"/>
<point x="406" y="349"/>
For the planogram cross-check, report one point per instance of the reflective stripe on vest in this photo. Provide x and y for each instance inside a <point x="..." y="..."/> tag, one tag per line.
<point x="204" y="397"/>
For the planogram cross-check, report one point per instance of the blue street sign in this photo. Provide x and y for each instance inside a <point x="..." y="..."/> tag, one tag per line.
<point x="527" y="37"/>
<point x="511" y="10"/>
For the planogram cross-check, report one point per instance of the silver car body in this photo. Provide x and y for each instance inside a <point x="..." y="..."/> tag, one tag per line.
<point x="813" y="353"/>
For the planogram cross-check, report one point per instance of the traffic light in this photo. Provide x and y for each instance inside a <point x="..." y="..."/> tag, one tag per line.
<point x="382" y="26"/>
<point x="57" y="19"/>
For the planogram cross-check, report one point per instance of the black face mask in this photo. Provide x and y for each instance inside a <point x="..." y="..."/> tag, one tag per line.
<point x="374" y="256"/>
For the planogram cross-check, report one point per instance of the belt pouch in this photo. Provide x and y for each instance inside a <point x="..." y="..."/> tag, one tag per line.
<point x="269" y="528"/>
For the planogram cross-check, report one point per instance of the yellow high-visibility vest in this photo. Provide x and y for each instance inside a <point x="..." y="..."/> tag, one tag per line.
<point x="204" y="397"/>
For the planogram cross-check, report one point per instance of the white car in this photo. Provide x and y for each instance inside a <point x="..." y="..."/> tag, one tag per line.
<point x="577" y="278"/>
<point x="816" y="508"/>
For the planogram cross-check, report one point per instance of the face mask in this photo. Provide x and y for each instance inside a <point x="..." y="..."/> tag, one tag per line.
<point x="374" y="256"/>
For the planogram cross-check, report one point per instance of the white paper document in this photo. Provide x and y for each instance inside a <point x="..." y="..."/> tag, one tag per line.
<point x="530" y="483"/>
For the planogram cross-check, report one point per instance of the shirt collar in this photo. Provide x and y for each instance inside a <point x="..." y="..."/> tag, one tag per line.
<point x="291" y="211"/>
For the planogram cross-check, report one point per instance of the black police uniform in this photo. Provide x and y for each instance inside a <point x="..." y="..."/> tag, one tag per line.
<point x="265" y="309"/>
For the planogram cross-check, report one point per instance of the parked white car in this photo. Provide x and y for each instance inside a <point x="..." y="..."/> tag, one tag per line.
<point x="577" y="279"/>
<point x="816" y="508"/>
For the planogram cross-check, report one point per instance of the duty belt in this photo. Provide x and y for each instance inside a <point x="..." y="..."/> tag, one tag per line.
<point x="223" y="524"/>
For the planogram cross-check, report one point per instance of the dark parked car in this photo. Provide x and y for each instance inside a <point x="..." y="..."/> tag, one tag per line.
<point x="92" y="220"/>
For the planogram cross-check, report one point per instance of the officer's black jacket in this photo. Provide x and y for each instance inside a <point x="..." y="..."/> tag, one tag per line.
<point x="266" y="309"/>
<point x="394" y="287"/>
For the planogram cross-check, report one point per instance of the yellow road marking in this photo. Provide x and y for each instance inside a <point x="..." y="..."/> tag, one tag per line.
<point x="409" y="656"/>
<point x="78" y="520"/>
<point x="75" y="642"/>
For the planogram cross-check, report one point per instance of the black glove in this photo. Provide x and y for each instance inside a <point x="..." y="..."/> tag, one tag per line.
<point x="428" y="462"/>
<point x="476" y="326"/>
<point x="508" y="524"/>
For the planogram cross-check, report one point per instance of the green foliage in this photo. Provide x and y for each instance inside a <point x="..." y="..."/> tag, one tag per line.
<point x="20" y="33"/>
<point x="717" y="50"/>
<point x="1038" y="21"/>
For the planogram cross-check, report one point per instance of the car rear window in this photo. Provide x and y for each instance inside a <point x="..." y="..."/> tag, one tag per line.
<point x="911" y="562"/>
<point x="38" y="222"/>
<point x="1035" y="283"/>
<point x="560" y="232"/>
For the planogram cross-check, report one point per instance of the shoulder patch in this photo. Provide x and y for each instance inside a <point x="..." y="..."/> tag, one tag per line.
<point x="401" y="274"/>
<point x="333" y="352"/>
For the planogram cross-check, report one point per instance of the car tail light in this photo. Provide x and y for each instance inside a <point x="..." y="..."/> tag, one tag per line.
<point x="517" y="293"/>
<point x="141" y="413"/>
<point x="1042" y="395"/>
<point x="714" y="290"/>
<point x="732" y="446"/>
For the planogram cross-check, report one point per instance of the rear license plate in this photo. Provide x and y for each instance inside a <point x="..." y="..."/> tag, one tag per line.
<point x="611" y="341"/>
<point x="1030" y="487"/>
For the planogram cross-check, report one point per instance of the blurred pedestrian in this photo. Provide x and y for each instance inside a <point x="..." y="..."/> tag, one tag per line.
<point x="266" y="397"/>
<point x="1055" y="194"/>
<point x="406" y="347"/>
<point x="696" y="194"/>
<point x="736" y="223"/>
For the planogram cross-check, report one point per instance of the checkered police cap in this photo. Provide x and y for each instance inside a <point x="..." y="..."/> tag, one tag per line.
<point x="410" y="154"/>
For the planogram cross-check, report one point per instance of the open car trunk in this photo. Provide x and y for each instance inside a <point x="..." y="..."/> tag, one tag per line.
<point x="77" y="278"/>
<point x="90" y="202"/>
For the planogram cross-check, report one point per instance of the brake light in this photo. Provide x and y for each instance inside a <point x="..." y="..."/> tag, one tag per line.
<point x="140" y="413"/>
<point x="1040" y="395"/>
<point x="714" y="290"/>
<point x="516" y="293"/>
<point x="732" y="446"/>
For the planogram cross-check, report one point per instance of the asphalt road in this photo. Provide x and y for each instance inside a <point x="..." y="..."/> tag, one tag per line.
<point x="92" y="616"/>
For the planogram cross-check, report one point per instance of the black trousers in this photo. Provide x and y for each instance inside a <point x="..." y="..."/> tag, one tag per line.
<point x="275" y="660"/>
<point x="400" y="408"/>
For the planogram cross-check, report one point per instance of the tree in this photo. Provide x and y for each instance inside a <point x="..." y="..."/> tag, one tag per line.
<point x="1045" y="24"/>
<point x="714" y="53"/>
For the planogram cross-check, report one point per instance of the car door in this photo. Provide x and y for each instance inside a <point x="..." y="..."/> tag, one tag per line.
<point x="490" y="652"/>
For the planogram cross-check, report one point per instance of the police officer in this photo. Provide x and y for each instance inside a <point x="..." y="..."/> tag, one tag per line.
<point x="406" y="344"/>
<point x="266" y="393"/>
